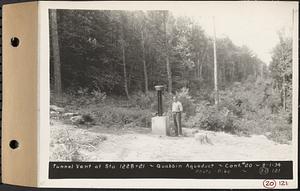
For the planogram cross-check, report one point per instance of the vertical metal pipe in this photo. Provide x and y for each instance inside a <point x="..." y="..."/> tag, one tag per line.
<point x="158" y="106"/>
<point x="159" y="89"/>
<point x="160" y="109"/>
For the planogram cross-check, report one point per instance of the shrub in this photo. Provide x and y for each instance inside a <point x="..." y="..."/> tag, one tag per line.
<point x="280" y="127"/>
<point x="97" y="96"/>
<point x="214" y="119"/>
<point x="142" y="100"/>
<point x="83" y="96"/>
<point x="281" y="133"/>
<point x="63" y="146"/>
<point x="120" y="117"/>
<point x="273" y="102"/>
<point x="69" y="144"/>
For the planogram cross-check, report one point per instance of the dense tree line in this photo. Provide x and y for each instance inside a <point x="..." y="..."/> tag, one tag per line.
<point x="281" y="71"/>
<point x="122" y="52"/>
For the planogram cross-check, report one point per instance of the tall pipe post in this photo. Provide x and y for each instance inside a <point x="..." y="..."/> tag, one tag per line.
<point x="215" y="66"/>
<point x="159" y="89"/>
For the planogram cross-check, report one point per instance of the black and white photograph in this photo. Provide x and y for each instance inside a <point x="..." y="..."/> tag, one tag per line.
<point x="205" y="83"/>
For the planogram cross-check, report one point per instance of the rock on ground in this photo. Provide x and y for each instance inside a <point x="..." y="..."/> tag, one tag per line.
<point x="56" y="108"/>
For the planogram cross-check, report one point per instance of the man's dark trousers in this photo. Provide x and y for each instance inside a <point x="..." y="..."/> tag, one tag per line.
<point x="177" y="123"/>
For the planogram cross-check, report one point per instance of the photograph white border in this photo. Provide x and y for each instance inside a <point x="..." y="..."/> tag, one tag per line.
<point x="44" y="101"/>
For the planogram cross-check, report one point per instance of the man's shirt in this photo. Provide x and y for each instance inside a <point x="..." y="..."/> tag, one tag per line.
<point x="177" y="106"/>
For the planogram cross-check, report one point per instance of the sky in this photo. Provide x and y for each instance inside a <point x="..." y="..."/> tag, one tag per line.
<point x="254" y="24"/>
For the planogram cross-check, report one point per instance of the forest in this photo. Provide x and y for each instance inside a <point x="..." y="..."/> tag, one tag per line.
<point x="105" y="64"/>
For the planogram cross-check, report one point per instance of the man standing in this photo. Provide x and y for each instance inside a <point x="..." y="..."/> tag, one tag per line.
<point x="176" y="112"/>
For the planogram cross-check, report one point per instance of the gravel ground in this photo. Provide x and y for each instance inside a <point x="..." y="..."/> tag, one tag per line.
<point x="102" y="144"/>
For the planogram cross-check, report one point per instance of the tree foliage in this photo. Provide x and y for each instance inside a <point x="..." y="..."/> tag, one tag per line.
<point x="91" y="44"/>
<point x="281" y="71"/>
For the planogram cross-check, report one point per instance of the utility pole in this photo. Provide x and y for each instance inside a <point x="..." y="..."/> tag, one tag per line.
<point x="215" y="67"/>
<point x="169" y="72"/>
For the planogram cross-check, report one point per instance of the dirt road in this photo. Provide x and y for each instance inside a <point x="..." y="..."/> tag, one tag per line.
<point x="142" y="145"/>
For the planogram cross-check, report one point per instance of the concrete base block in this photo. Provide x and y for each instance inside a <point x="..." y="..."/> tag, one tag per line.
<point x="160" y="125"/>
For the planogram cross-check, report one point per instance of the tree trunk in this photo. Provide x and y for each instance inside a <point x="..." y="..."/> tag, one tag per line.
<point x="124" y="69"/>
<point x="198" y="68"/>
<point x="56" y="57"/>
<point x="124" y="63"/>
<point x="144" y="63"/>
<point x="284" y="94"/>
<point x="200" y="71"/>
<point x="169" y="73"/>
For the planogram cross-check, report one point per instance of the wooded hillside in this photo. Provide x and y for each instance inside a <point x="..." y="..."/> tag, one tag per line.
<point x="121" y="52"/>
